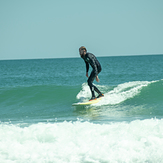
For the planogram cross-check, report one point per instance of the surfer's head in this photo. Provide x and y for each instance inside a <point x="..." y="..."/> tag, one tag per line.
<point x="82" y="51"/>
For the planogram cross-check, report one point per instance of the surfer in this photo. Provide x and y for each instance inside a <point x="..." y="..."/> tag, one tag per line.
<point x="89" y="58"/>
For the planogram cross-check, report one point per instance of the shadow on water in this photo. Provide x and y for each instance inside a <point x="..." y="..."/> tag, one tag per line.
<point x="88" y="112"/>
<point x="114" y="113"/>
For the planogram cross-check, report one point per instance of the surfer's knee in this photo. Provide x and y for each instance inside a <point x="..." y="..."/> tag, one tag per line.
<point x="90" y="79"/>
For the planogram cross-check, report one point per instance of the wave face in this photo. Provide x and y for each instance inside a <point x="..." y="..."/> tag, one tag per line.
<point x="137" y="98"/>
<point x="36" y="102"/>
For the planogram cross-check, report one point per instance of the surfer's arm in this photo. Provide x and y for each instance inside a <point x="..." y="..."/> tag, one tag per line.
<point x="87" y="66"/>
<point x="87" y="74"/>
<point x="97" y="79"/>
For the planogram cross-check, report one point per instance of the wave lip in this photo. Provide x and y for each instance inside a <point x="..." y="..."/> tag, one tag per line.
<point x="118" y="94"/>
<point x="123" y="92"/>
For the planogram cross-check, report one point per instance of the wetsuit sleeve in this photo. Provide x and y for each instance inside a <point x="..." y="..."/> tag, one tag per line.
<point x="87" y="66"/>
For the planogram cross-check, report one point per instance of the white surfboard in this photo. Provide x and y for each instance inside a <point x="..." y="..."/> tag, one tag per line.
<point x="87" y="102"/>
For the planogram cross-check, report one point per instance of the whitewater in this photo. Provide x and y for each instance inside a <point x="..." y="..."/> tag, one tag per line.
<point x="137" y="141"/>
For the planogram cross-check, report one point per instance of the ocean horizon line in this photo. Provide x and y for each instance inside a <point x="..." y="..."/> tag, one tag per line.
<point x="132" y="55"/>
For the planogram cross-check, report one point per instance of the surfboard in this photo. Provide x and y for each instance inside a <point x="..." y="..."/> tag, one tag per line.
<point x="87" y="102"/>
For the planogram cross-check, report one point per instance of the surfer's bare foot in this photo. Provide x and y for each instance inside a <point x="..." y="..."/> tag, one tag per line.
<point x="93" y="98"/>
<point x="100" y="95"/>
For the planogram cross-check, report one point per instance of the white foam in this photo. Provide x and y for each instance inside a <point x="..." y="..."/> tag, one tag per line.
<point x="119" y="94"/>
<point x="81" y="142"/>
<point x="84" y="93"/>
<point x="123" y="92"/>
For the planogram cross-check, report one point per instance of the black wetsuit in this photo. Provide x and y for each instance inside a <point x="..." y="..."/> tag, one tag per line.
<point x="89" y="58"/>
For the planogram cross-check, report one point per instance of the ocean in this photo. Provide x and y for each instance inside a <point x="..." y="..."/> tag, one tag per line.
<point x="38" y="123"/>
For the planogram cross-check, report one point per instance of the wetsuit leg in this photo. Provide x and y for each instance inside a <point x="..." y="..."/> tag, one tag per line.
<point x="95" y="88"/>
<point x="90" y="83"/>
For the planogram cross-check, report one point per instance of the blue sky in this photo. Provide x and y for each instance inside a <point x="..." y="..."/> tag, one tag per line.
<point x="56" y="29"/>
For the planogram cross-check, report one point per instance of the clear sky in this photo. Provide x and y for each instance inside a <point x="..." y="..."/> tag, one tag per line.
<point x="57" y="28"/>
